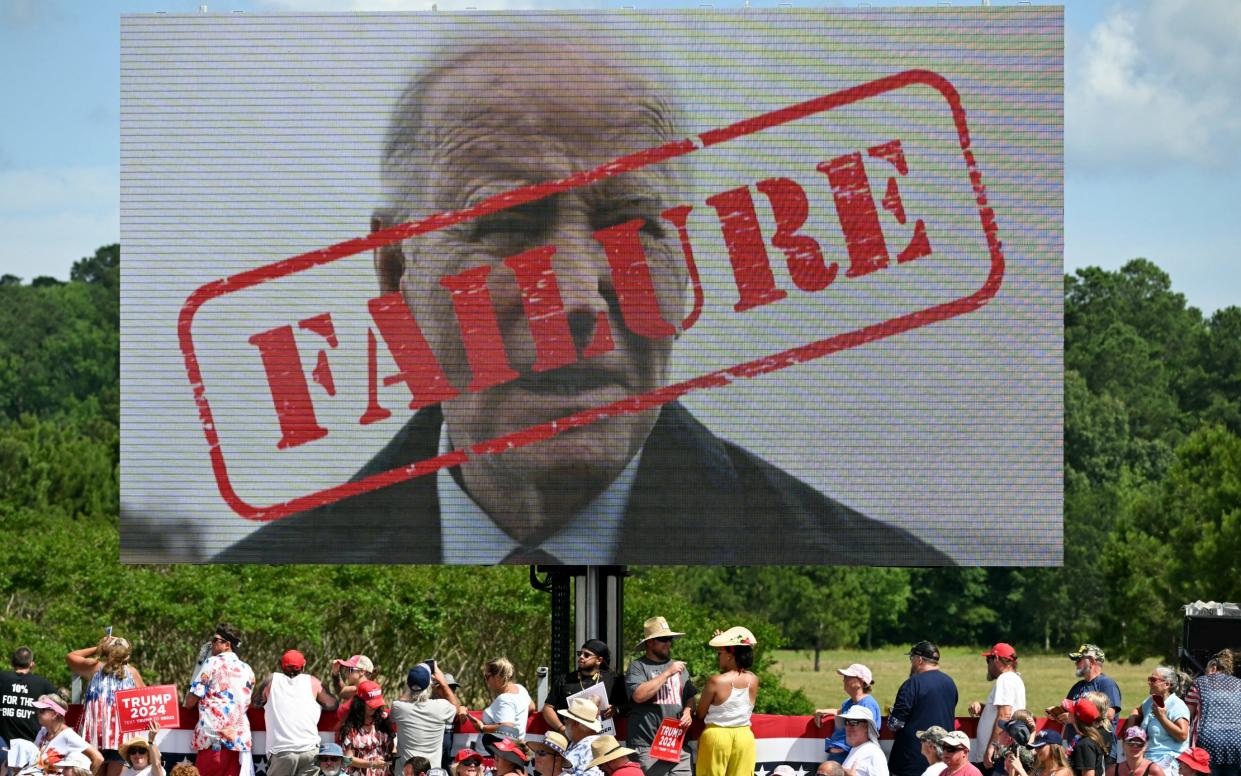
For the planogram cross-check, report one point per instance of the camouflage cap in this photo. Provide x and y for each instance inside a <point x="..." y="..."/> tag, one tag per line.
<point x="1087" y="650"/>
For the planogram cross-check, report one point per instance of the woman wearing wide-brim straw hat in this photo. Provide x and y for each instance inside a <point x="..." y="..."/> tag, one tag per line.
<point x="726" y="747"/>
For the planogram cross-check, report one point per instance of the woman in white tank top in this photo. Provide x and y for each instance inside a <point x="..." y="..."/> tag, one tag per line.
<point x="726" y="747"/>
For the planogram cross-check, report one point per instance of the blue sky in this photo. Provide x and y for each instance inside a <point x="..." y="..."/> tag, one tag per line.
<point x="1152" y="129"/>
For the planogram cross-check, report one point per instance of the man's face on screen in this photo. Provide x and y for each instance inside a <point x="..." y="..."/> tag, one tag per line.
<point x="530" y="118"/>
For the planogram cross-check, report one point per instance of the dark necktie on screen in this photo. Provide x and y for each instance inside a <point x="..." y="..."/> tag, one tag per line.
<point x="531" y="556"/>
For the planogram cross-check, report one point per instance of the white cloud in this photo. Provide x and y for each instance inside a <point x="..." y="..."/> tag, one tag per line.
<point x="1156" y="87"/>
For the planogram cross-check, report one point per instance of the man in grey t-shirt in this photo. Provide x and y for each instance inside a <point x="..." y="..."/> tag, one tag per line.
<point x="420" y="718"/>
<point x="659" y="688"/>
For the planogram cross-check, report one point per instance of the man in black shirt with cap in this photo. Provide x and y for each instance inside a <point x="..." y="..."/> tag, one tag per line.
<point x="928" y="697"/>
<point x="593" y="667"/>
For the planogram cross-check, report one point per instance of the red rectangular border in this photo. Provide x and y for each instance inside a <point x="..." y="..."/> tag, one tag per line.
<point x="658" y="397"/>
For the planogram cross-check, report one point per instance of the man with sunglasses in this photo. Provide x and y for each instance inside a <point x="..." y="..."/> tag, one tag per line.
<point x="593" y="668"/>
<point x="956" y="749"/>
<point x="865" y="756"/>
<point x="221" y="691"/>
<point x="1007" y="695"/>
<point x="659" y="688"/>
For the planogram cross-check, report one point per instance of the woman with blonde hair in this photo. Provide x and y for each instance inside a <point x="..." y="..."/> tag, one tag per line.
<point x="55" y="740"/>
<point x="106" y="667"/>
<point x="1049" y="756"/>
<point x="1089" y="717"/>
<point x="512" y="704"/>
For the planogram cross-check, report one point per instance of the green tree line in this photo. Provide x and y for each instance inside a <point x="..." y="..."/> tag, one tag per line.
<point x="1152" y="484"/>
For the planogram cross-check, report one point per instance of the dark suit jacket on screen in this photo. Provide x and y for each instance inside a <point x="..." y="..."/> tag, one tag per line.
<point x="696" y="499"/>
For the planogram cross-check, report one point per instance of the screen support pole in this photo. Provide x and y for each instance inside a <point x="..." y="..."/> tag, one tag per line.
<point x="595" y="609"/>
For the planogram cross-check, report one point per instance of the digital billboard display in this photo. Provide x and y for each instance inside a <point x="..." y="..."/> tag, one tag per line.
<point x="748" y="286"/>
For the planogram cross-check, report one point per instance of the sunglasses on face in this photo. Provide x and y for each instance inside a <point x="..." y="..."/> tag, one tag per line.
<point x="136" y="750"/>
<point x="1135" y="742"/>
<point x="584" y="653"/>
<point x="954" y="749"/>
<point x="663" y="639"/>
<point x="854" y="722"/>
<point x="218" y="640"/>
<point x="470" y="764"/>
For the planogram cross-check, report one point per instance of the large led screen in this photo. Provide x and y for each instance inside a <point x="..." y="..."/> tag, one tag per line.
<point x="747" y="286"/>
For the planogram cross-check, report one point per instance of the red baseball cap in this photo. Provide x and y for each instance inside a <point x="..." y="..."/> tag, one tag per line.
<point x="1085" y="710"/>
<point x="370" y="693"/>
<point x="468" y="754"/>
<point x="508" y="749"/>
<point x="292" y="659"/>
<point x="1196" y="759"/>
<point x="1003" y="650"/>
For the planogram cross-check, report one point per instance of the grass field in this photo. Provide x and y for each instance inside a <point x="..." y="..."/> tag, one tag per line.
<point x="1047" y="677"/>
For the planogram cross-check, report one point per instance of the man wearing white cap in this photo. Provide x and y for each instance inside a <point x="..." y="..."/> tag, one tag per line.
<point x="582" y="725"/>
<point x="659" y="688"/>
<point x="857" y="680"/>
<point x="862" y="735"/>
<point x="956" y="749"/>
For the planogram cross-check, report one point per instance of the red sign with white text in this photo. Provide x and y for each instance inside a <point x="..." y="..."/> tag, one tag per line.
<point x="140" y="707"/>
<point x="669" y="739"/>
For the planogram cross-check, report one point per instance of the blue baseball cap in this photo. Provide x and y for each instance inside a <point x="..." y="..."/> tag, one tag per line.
<point x="1045" y="738"/>
<point x="419" y="677"/>
<point x="331" y="749"/>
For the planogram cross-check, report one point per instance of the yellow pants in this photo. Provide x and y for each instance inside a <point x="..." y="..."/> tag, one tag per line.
<point x="726" y="751"/>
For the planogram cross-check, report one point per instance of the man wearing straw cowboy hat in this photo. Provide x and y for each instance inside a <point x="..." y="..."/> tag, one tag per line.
<point x="659" y="688"/>
<point x="582" y="725"/>
<point x="612" y="758"/>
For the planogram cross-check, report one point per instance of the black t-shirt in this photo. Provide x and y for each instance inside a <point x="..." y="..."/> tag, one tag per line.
<point x="1087" y="756"/>
<point x="571" y="683"/>
<point x="18" y="692"/>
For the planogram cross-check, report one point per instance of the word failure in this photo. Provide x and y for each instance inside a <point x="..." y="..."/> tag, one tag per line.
<point x="866" y="248"/>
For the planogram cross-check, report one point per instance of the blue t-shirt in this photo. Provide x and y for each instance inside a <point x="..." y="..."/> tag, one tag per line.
<point x="925" y="699"/>
<point x="1101" y="683"/>
<point x="837" y="739"/>
<point x="1160" y="743"/>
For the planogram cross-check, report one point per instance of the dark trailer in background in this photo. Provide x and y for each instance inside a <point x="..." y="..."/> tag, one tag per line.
<point x="1209" y="627"/>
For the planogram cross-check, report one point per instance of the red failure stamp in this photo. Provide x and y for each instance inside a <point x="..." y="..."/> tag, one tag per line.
<point x="867" y="208"/>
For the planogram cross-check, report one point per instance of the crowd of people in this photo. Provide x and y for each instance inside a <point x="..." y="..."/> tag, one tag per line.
<point x="1185" y="726"/>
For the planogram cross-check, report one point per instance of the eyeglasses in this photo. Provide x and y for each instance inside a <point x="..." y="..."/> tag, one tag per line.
<point x="854" y="722"/>
<point x="218" y="640"/>
<point x="584" y="653"/>
<point x="953" y="748"/>
<point x="136" y="750"/>
<point x="1135" y="742"/>
<point x="1154" y="679"/>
